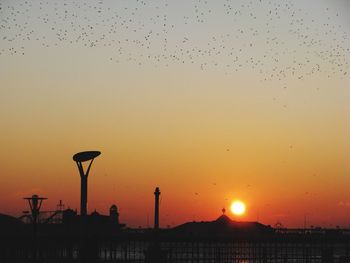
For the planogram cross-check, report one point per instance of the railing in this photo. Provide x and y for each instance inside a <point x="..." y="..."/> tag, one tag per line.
<point x="279" y="248"/>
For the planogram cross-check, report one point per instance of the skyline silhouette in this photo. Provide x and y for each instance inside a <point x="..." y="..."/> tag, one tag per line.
<point x="35" y="203"/>
<point x="97" y="238"/>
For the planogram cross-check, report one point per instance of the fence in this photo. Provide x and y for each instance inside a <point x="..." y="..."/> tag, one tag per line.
<point x="284" y="248"/>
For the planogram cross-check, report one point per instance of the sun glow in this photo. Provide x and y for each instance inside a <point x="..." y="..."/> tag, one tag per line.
<point x="238" y="208"/>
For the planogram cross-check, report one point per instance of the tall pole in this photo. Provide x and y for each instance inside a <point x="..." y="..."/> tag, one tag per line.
<point x="88" y="250"/>
<point x="79" y="158"/>
<point x="156" y="208"/>
<point x="83" y="196"/>
<point x="83" y="187"/>
<point x="155" y="253"/>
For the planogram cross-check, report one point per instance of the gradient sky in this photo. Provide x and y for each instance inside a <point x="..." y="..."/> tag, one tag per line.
<point x="210" y="100"/>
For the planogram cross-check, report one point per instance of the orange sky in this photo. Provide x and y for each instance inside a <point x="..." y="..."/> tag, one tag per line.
<point x="204" y="137"/>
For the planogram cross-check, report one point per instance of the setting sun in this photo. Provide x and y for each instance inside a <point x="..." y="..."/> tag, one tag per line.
<point x="238" y="208"/>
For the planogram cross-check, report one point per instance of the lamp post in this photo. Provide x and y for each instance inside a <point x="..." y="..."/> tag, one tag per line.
<point x="79" y="158"/>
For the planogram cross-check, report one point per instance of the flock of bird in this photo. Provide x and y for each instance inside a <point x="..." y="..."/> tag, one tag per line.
<point x="276" y="39"/>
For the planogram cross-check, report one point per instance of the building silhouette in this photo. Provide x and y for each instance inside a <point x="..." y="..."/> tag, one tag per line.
<point x="223" y="227"/>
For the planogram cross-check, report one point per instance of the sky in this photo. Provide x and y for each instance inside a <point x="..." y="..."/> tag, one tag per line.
<point x="211" y="101"/>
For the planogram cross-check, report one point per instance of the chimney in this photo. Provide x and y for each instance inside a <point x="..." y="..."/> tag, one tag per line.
<point x="156" y="208"/>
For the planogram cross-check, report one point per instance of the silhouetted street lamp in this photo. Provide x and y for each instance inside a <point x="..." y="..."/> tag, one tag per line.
<point x="79" y="158"/>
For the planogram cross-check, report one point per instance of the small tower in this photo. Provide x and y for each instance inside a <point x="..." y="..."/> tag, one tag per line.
<point x="156" y="208"/>
<point x="113" y="214"/>
<point x="154" y="253"/>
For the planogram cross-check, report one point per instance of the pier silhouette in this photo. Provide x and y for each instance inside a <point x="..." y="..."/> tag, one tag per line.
<point x="63" y="235"/>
